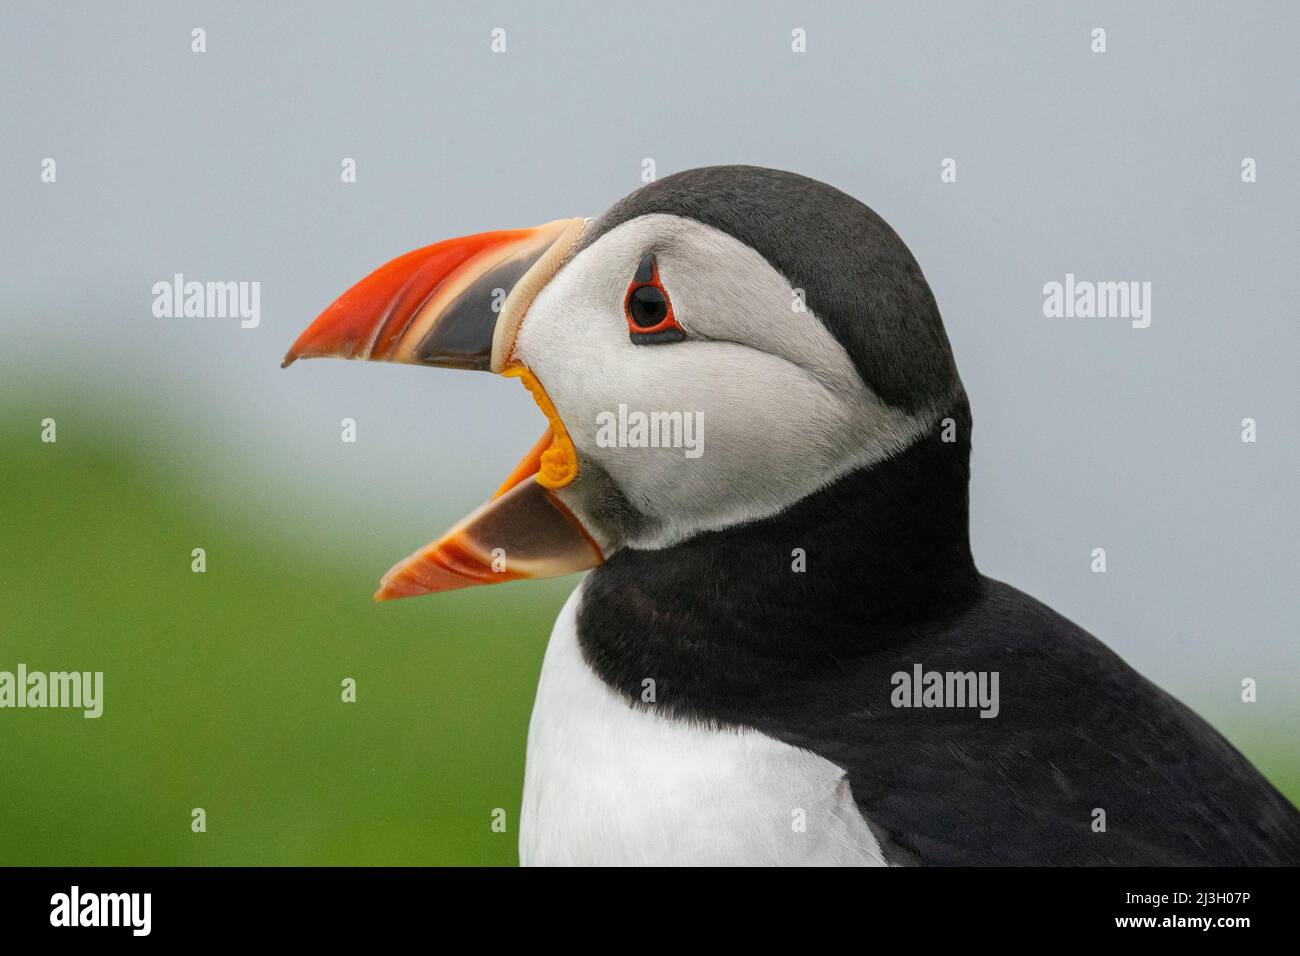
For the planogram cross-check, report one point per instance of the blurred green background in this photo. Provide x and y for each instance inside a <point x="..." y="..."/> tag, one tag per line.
<point x="222" y="689"/>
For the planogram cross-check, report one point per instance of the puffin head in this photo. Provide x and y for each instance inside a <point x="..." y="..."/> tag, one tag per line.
<point x="720" y="345"/>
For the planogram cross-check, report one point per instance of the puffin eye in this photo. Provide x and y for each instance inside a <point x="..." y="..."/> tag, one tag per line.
<point x="650" y="319"/>
<point x="647" y="306"/>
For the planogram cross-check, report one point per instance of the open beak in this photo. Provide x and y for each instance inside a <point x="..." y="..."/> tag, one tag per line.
<point x="459" y="304"/>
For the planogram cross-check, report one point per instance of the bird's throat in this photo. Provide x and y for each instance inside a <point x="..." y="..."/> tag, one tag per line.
<point x="743" y="610"/>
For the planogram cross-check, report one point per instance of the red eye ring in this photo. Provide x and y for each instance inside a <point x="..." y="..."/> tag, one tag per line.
<point x="648" y="309"/>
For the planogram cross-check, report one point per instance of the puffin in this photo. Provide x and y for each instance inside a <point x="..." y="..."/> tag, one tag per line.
<point x="783" y="652"/>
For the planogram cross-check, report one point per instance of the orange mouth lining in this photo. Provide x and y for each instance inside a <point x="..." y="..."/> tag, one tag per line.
<point x="553" y="459"/>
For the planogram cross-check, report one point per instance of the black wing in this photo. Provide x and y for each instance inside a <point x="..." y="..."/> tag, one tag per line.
<point x="1078" y="733"/>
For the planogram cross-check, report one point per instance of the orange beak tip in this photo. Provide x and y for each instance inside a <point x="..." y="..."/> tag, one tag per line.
<point x="390" y="589"/>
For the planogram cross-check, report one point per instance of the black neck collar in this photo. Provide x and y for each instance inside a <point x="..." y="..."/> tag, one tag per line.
<point x="724" y="618"/>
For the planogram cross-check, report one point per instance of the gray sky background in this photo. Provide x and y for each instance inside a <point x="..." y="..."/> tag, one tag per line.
<point x="1115" y="166"/>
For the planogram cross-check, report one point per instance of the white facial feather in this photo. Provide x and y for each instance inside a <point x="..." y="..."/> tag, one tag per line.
<point x="784" y="410"/>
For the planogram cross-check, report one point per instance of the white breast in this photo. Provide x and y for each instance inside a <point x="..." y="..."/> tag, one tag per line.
<point x="612" y="784"/>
